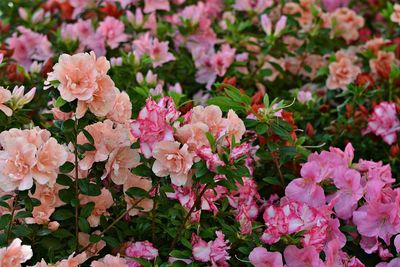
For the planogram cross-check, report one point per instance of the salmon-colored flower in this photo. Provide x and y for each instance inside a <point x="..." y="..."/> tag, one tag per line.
<point x="15" y="254"/>
<point x="382" y="65"/>
<point x="102" y="203"/>
<point x="119" y="163"/>
<point x="140" y="182"/>
<point x="173" y="161"/>
<point x="342" y="73"/>
<point x="122" y="109"/>
<point x="395" y="17"/>
<point x="193" y="134"/>
<point x="109" y="260"/>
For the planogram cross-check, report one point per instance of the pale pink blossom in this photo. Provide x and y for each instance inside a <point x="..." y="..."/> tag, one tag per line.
<point x="73" y="261"/>
<point x="141" y="249"/>
<point x="261" y="257"/>
<point x="93" y="249"/>
<point x="156" y="50"/>
<point x="122" y="110"/>
<point x="15" y="254"/>
<point x="19" y="98"/>
<point x="304" y="96"/>
<point x="212" y="159"/>
<point x="40" y="215"/>
<point x="119" y="164"/>
<point x="112" y="30"/>
<point x="258" y="6"/>
<point x="173" y="160"/>
<point x="110" y="261"/>
<point x="384" y="122"/>
<point x="347" y="23"/>
<point x="5" y="96"/>
<point x="193" y="134"/>
<point x="49" y="159"/>
<point x="212" y="117"/>
<point x="153" y="5"/>
<point x="332" y="5"/>
<point x="395" y="16"/>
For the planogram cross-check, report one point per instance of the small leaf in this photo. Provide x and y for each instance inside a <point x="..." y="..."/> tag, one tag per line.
<point x="83" y="225"/>
<point x="67" y="167"/>
<point x="87" y="210"/>
<point x="62" y="214"/>
<point x="137" y="192"/>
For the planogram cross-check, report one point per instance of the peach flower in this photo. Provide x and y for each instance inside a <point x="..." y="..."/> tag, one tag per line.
<point x="53" y="226"/>
<point x="347" y="23"/>
<point x="106" y="138"/>
<point x="77" y="76"/>
<point x="173" y="161"/>
<point x="122" y="110"/>
<point x="16" y="163"/>
<point x="267" y="65"/>
<point x="102" y="100"/>
<point x="235" y="127"/>
<point x="140" y="182"/>
<point x="15" y="254"/>
<point x="73" y="261"/>
<point x="5" y="96"/>
<point x="40" y="214"/>
<point x="342" y="73"/>
<point x="395" y="17"/>
<point x="49" y="159"/>
<point x="193" y="134"/>
<point x="48" y="195"/>
<point x="120" y="162"/>
<point x="382" y="65"/>
<point x="95" y="248"/>
<point x="102" y="203"/>
<point x="212" y="117"/>
<point x="109" y="260"/>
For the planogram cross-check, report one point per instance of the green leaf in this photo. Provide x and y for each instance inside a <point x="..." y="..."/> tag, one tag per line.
<point x="67" y="167"/>
<point x="62" y="214"/>
<point x="23" y="214"/>
<point x="142" y="170"/>
<point x="137" y="192"/>
<point x="60" y="102"/>
<point x="83" y="225"/>
<point x="43" y="232"/>
<point x="181" y="254"/>
<point x="62" y="233"/>
<point x="4" y="220"/>
<point x="63" y="179"/>
<point x="272" y="180"/>
<point x="94" y="238"/>
<point x="89" y="189"/>
<point x="68" y="125"/>
<point x="88" y="136"/>
<point x="111" y="241"/>
<point x="87" y="210"/>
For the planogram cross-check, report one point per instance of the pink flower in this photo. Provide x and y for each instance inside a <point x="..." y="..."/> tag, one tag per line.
<point x="381" y="66"/>
<point x="258" y="6"/>
<point x="261" y="257"/>
<point x="102" y="202"/>
<point x="235" y="127"/>
<point x="212" y="160"/>
<point x="347" y="23"/>
<point x="29" y="46"/>
<point x="40" y="215"/>
<point x="296" y="257"/>
<point x="122" y="110"/>
<point x="5" y="96"/>
<point x="304" y="96"/>
<point x="384" y="122"/>
<point x="93" y="249"/>
<point x="48" y="195"/>
<point x="112" y="30"/>
<point x="306" y="189"/>
<point x="214" y="252"/>
<point x="332" y="5"/>
<point x="19" y="98"/>
<point x="350" y="191"/>
<point x="73" y="261"/>
<point x="156" y="50"/>
<point x="223" y="59"/>
<point x="342" y="73"/>
<point x="15" y="254"/>
<point x="109" y="260"/>
<point x="152" y="124"/>
<point x="142" y="249"/>
<point x="153" y="5"/>
<point x="173" y="161"/>
<point x="140" y="182"/>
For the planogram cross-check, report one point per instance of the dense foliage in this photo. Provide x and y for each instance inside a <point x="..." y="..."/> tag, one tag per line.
<point x="199" y="133"/>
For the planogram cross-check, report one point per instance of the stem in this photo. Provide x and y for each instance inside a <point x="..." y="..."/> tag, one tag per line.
<point x="15" y="200"/>
<point x="278" y="168"/>
<point x="153" y="218"/>
<point x="76" y="184"/>
<point x="180" y="230"/>
<point x="118" y="219"/>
